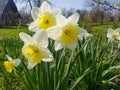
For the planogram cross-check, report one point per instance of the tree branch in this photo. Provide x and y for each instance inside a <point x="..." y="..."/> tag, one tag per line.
<point x="107" y="4"/>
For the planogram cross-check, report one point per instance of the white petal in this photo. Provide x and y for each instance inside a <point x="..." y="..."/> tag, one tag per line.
<point x="53" y="32"/>
<point x="56" y="11"/>
<point x="118" y="29"/>
<point x="48" y="57"/>
<point x="72" y="46"/>
<point x="90" y="35"/>
<point x="58" y="45"/>
<point x="31" y="65"/>
<point x="81" y="30"/>
<point x="74" y="18"/>
<point x="9" y="58"/>
<point x="118" y="37"/>
<point x="61" y="20"/>
<point x="26" y="38"/>
<point x="41" y="38"/>
<point x="35" y="13"/>
<point x="110" y="30"/>
<point x="81" y="36"/>
<point x="109" y="33"/>
<point x="110" y="39"/>
<point x="33" y="26"/>
<point x="16" y="62"/>
<point x="45" y="7"/>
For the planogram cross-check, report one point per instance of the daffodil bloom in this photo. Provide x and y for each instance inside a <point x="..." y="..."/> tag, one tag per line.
<point x="44" y="17"/>
<point x="10" y="64"/>
<point x="85" y="35"/>
<point x="35" y="48"/>
<point x="113" y="34"/>
<point x="66" y="33"/>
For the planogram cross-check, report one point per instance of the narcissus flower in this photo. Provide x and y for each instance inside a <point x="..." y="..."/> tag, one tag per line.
<point x="66" y="33"/>
<point x="113" y="34"/>
<point x="35" y="48"/>
<point x="44" y="17"/>
<point x="10" y="64"/>
<point x="85" y="35"/>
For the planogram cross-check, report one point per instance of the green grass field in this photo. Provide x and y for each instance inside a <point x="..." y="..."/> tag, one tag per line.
<point x="97" y="28"/>
<point x="12" y="31"/>
<point x="94" y="28"/>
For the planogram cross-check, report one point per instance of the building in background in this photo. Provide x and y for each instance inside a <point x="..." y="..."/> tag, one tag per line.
<point x="9" y="14"/>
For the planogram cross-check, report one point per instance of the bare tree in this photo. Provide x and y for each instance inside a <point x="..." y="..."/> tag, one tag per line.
<point x="112" y="4"/>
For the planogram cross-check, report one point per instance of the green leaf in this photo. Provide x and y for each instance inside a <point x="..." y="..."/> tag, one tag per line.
<point x="109" y="70"/>
<point x="87" y="71"/>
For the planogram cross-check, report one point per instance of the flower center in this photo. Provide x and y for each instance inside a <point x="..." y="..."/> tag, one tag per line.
<point x="46" y="20"/>
<point x="114" y="35"/>
<point x="33" y="53"/>
<point x="9" y="66"/>
<point x="69" y="33"/>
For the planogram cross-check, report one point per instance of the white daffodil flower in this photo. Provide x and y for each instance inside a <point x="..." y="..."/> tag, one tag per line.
<point x="11" y="63"/>
<point x="66" y="33"/>
<point x="85" y="35"/>
<point x="35" y="48"/>
<point x="113" y="34"/>
<point x="44" y="17"/>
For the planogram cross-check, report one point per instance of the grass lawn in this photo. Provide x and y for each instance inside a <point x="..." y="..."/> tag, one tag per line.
<point x="97" y="28"/>
<point x="93" y="28"/>
<point x="12" y="31"/>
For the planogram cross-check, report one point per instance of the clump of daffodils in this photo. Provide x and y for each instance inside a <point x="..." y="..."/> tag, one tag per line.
<point x="50" y="23"/>
<point x="51" y="28"/>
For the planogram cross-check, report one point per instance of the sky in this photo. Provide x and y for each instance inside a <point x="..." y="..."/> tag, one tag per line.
<point x="77" y="4"/>
<point x="68" y="4"/>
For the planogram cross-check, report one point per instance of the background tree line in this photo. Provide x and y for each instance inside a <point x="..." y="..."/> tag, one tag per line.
<point x="101" y="10"/>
